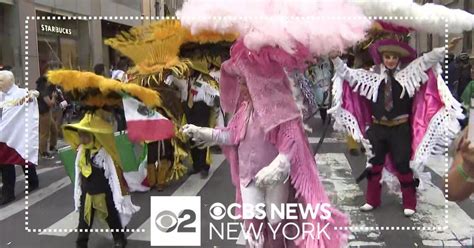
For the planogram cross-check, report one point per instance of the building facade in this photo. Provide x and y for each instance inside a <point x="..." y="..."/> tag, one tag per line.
<point x="54" y="42"/>
<point x="161" y="7"/>
<point x="77" y="44"/>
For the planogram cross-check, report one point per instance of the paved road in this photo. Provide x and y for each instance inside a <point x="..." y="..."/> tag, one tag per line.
<point x="51" y="207"/>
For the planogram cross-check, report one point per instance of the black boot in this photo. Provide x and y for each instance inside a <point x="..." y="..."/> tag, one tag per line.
<point x="6" y="199"/>
<point x="33" y="182"/>
<point x="193" y="171"/>
<point x="323" y="113"/>
<point x="82" y="239"/>
<point x="354" y="152"/>
<point x="204" y="174"/>
<point x="120" y="243"/>
<point x="8" y="188"/>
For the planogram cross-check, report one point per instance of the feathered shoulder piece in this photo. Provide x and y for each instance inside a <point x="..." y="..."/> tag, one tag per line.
<point x="98" y="91"/>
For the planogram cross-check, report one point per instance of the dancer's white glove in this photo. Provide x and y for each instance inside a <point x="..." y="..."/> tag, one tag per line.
<point x="182" y="85"/>
<point x="204" y="136"/>
<point x="275" y="173"/>
<point x="63" y="104"/>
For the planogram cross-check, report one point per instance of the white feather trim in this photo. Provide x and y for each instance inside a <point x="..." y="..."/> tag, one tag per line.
<point x="344" y="121"/>
<point x="430" y="18"/>
<point x="135" y="178"/>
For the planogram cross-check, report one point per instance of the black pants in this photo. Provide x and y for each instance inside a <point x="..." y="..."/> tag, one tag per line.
<point x="199" y="115"/>
<point x="113" y="220"/>
<point x="394" y="140"/>
<point x="323" y="112"/>
<point x="153" y="148"/>
<point x="9" y="179"/>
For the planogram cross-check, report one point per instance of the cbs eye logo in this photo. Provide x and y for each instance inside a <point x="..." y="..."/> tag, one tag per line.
<point x="167" y="221"/>
<point x="175" y="221"/>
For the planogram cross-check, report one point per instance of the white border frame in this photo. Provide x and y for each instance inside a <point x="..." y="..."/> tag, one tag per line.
<point x="219" y="18"/>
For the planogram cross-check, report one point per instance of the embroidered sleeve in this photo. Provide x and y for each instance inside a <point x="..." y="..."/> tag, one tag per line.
<point x="414" y="75"/>
<point x="362" y="81"/>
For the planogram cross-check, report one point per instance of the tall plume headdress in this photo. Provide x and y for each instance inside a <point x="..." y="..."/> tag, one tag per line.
<point x="155" y="49"/>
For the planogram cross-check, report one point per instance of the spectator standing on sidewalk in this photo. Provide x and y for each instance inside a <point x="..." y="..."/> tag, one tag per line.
<point x="57" y="113"/>
<point x="47" y="129"/>
<point x="459" y="75"/>
<point x="461" y="175"/>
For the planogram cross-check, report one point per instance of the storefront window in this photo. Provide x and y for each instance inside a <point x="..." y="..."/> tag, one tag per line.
<point x="48" y="53"/>
<point x="57" y="43"/>
<point x="68" y="48"/>
<point x="110" y="30"/>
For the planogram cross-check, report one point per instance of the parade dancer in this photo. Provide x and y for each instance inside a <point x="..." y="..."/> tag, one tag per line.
<point x="201" y="110"/>
<point x="153" y="62"/>
<point x="155" y="50"/>
<point x="201" y="103"/>
<point x="198" y="112"/>
<point x="400" y="102"/>
<point x="99" y="186"/>
<point x="266" y="148"/>
<point x="14" y="103"/>
<point x="265" y="143"/>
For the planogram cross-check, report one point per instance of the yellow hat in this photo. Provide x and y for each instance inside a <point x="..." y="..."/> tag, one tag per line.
<point x="95" y="124"/>
<point x="98" y="91"/>
<point x="92" y="123"/>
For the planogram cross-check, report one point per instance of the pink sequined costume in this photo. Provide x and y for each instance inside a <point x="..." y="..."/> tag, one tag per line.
<point x="267" y="122"/>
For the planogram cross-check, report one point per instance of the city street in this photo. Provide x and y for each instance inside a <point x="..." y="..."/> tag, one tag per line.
<point x="107" y="97"/>
<point x="51" y="206"/>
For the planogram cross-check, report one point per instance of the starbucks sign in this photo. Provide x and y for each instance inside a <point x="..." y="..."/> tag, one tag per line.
<point x="55" y="29"/>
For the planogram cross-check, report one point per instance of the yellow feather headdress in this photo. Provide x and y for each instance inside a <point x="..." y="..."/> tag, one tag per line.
<point x="155" y="48"/>
<point x="98" y="91"/>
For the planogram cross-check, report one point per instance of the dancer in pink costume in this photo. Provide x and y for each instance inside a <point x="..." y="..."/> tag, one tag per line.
<point x="270" y="157"/>
<point x="265" y="144"/>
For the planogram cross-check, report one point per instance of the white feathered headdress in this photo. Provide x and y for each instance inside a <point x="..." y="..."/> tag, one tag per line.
<point x="321" y="26"/>
<point x="430" y="18"/>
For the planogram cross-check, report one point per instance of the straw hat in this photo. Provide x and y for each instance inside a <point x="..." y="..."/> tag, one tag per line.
<point x="405" y="52"/>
